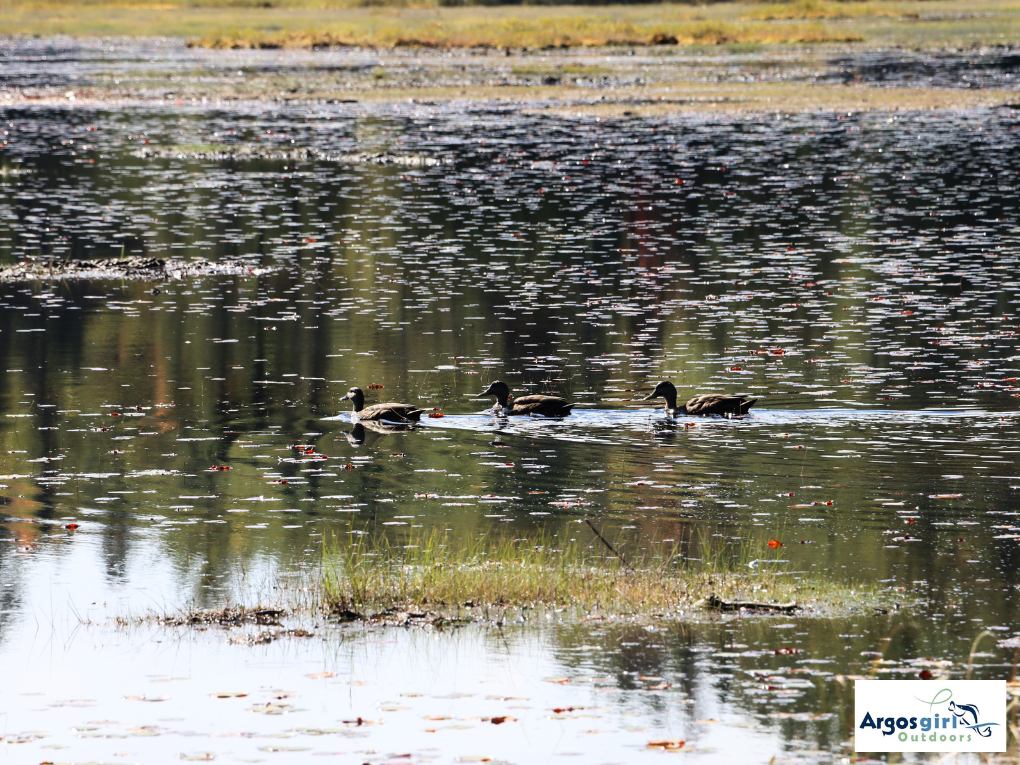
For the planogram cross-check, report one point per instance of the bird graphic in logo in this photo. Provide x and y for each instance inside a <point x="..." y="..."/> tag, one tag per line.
<point x="968" y="715"/>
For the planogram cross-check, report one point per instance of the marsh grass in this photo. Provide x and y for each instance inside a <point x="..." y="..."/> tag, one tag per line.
<point x="435" y="24"/>
<point x="587" y="30"/>
<point x="487" y="574"/>
<point x="826" y="9"/>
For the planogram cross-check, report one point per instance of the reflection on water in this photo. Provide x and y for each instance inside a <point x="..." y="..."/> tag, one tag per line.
<point x="736" y="690"/>
<point x="185" y="442"/>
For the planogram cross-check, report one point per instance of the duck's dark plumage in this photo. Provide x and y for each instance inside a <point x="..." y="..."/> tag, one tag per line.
<point x="712" y="403"/>
<point x="387" y="412"/>
<point x="716" y="403"/>
<point x="547" y="406"/>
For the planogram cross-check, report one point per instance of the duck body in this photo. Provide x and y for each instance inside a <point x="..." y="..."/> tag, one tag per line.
<point x="390" y="412"/>
<point x="708" y="404"/>
<point x="546" y="406"/>
<point x="716" y="403"/>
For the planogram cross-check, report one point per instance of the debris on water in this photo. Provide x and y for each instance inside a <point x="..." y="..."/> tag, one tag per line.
<point x="226" y="617"/>
<point x="268" y="636"/>
<point x="715" y="603"/>
<point x="667" y="744"/>
<point x="137" y="268"/>
<point x="346" y="615"/>
<point x="251" y="153"/>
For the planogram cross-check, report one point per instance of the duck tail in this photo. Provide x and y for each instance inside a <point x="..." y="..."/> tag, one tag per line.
<point x="415" y="414"/>
<point x="744" y="406"/>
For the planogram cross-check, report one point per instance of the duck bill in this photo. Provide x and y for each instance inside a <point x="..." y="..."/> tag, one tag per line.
<point x="650" y="396"/>
<point x="488" y="392"/>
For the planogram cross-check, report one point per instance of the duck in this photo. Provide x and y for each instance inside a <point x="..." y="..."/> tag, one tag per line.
<point x="548" y="406"/>
<point x="712" y="403"/>
<point x="388" y="412"/>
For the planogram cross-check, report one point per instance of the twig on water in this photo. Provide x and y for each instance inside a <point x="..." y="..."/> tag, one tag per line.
<point x="605" y="541"/>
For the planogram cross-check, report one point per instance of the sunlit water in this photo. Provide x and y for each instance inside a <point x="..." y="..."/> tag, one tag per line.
<point x="857" y="273"/>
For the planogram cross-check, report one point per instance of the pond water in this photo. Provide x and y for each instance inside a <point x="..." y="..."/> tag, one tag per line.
<point x="855" y="272"/>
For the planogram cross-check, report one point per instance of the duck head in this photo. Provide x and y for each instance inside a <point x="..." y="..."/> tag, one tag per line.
<point x="665" y="390"/>
<point x="357" y="397"/>
<point x="500" y="390"/>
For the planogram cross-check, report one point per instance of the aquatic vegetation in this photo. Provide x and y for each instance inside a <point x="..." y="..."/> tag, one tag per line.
<point x="490" y="574"/>
<point x="827" y="9"/>
<point x="327" y="23"/>
<point x="555" y="32"/>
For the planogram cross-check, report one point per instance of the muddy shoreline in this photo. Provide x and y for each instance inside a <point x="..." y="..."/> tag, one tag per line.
<point x="655" y="80"/>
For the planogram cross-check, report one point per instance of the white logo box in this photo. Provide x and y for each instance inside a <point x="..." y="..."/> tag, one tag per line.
<point x="930" y="716"/>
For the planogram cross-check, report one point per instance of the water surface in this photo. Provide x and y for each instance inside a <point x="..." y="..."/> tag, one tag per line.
<point x="855" y="272"/>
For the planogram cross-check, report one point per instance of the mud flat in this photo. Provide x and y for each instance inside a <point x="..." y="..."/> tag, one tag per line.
<point x="647" y="80"/>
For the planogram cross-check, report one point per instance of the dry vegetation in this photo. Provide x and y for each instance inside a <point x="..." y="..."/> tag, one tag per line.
<point x="564" y="32"/>
<point x="827" y="9"/>
<point x="784" y="97"/>
<point x="386" y="23"/>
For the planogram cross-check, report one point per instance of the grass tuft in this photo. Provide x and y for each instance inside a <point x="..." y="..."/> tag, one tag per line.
<point x="486" y="575"/>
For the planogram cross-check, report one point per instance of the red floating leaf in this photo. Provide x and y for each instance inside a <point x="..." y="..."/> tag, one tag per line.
<point x="674" y="744"/>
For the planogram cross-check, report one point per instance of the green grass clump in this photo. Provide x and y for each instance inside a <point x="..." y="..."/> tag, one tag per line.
<point x="435" y="572"/>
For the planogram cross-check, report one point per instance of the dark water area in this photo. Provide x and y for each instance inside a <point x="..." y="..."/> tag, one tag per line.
<point x="855" y="272"/>
<point x="993" y="67"/>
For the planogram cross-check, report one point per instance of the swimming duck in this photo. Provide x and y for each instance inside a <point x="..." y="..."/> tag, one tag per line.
<point x="388" y="412"/>
<point x="713" y="403"/>
<point x="549" y="406"/>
